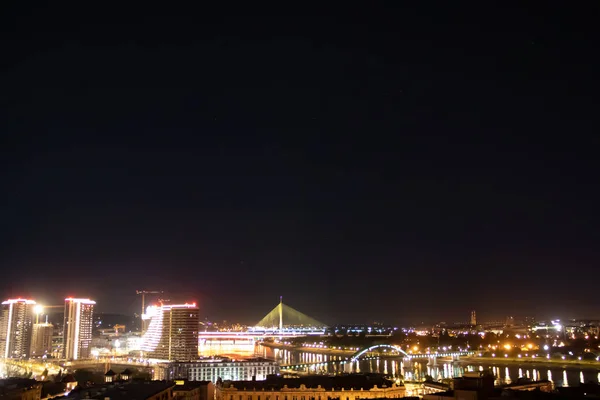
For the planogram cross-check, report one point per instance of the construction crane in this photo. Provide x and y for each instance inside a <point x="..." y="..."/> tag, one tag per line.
<point x="144" y="293"/>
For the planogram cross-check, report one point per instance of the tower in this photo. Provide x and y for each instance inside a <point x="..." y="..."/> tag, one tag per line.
<point x="473" y="318"/>
<point x="41" y="339"/>
<point x="77" y="336"/>
<point x="173" y="333"/>
<point x="16" y="321"/>
<point x="280" y="313"/>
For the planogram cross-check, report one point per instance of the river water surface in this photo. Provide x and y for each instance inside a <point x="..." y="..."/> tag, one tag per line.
<point x="396" y="368"/>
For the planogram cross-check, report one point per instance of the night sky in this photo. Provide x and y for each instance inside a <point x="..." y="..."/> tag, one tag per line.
<point x="397" y="164"/>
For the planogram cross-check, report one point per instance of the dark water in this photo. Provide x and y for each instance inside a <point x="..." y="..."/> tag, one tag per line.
<point x="397" y="368"/>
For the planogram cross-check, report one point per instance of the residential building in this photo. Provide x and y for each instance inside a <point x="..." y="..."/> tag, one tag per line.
<point x="173" y="333"/>
<point x="312" y="387"/>
<point x="143" y="390"/>
<point x="41" y="339"/>
<point x="201" y="390"/>
<point x="213" y="369"/>
<point x="16" y="320"/>
<point x="77" y="331"/>
<point x="20" y="388"/>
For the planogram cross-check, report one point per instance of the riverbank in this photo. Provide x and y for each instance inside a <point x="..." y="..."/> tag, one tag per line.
<point x="335" y="352"/>
<point x="532" y="361"/>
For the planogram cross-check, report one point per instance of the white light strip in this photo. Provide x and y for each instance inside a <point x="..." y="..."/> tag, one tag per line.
<point x="10" y="312"/>
<point x="13" y="301"/>
<point x="83" y="301"/>
<point x="76" y="339"/>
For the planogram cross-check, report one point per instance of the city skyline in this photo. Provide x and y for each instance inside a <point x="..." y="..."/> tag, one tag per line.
<point x="468" y="317"/>
<point x="397" y="163"/>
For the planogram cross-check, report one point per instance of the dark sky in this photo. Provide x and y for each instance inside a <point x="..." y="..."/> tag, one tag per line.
<point x="398" y="164"/>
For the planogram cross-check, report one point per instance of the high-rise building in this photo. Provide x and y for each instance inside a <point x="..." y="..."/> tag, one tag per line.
<point x="16" y="319"/>
<point x="41" y="340"/>
<point x="77" y="333"/>
<point x="173" y="333"/>
<point x="473" y="318"/>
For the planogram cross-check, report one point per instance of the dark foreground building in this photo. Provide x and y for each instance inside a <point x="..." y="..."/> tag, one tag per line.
<point x="313" y="387"/>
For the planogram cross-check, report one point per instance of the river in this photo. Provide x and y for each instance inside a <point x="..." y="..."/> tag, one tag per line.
<point x="397" y="368"/>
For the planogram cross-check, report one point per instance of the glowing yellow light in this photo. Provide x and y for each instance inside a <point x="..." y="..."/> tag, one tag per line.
<point x="416" y="348"/>
<point x="507" y="346"/>
<point x="38" y="309"/>
<point x="530" y="346"/>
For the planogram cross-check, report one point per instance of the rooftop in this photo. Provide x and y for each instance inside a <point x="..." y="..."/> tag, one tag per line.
<point x="190" y="385"/>
<point x="10" y="384"/>
<point x="122" y="391"/>
<point x="347" y="382"/>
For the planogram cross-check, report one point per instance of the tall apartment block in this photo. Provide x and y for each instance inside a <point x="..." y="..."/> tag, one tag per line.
<point x="173" y="333"/>
<point x="79" y="318"/>
<point x="16" y="320"/>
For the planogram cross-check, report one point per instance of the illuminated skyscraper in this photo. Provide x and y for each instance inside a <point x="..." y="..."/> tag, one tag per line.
<point x="16" y="320"/>
<point x="473" y="318"/>
<point x="41" y="340"/>
<point x="79" y="318"/>
<point x="173" y="333"/>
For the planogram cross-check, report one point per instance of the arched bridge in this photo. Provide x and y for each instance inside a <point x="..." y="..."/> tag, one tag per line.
<point x="360" y="353"/>
<point x="400" y="353"/>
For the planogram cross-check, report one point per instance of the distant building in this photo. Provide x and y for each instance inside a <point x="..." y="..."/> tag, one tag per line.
<point x="173" y="333"/>
<point x="77" y="331"/>
<point x="213" y="369"/>
<point x="312" y="387"/>
<point x="473" y="318"/>
<point x="16" y="320"/>
<point x="41" y="339"/>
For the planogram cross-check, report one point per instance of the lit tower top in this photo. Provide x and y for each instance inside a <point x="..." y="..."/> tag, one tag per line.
<point x="13" y="301"/>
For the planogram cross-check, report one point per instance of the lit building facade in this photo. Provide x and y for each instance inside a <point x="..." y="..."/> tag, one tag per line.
<point x="41" y="340"/>
<point x="77" y="333"/>
<point x="16" y="320"/>
<point x="213" y="369"/>
<point x="173" y="333"/>
<point x="312" y="387"/>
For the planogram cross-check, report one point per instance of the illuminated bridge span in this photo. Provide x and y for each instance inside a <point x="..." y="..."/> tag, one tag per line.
<point x="259" y="335"/>
<point x="381" y="350"/>
<point x="283" y="322"/>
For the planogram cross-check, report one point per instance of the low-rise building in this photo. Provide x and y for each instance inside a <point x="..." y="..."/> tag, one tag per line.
<point x="480" y="385"/>
<point x="213" y="369"/>
<point x="201" y="390"/>
<point x="313" y="387"/>
<point x="20" y="389"/>
<point x="143" y="390"/>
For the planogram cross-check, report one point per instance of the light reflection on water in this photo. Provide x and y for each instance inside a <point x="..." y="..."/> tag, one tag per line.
<point x="400" y="369"/>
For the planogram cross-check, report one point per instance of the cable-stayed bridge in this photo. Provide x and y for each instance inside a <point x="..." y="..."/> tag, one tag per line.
<point x="282" y="321"/>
